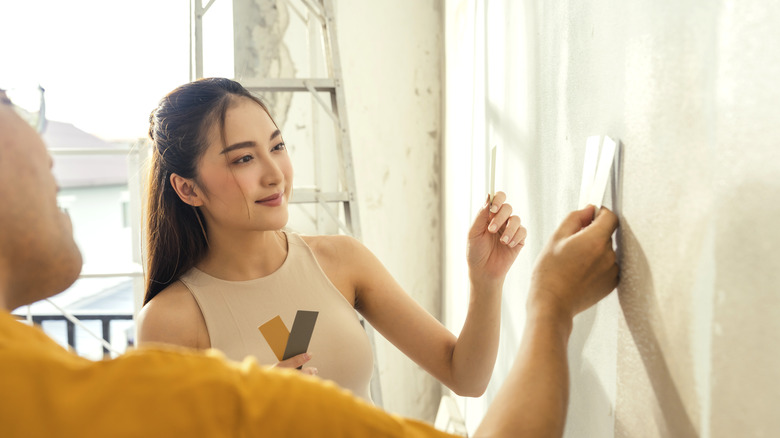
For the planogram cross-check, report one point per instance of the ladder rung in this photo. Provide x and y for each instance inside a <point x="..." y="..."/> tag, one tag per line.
<point x="289" y="84"/>
<point x="308" y="195"/>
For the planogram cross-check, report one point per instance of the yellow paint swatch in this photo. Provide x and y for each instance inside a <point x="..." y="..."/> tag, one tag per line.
<point x="275" y="333"/>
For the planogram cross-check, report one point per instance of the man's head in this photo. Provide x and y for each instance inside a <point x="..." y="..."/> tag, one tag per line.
<point x="38" y="256"/>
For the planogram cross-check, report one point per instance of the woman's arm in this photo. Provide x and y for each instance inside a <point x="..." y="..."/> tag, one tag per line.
<point x="494" y="241"/>
<point x="463" y="363"/>
<point x="173" y="317"/>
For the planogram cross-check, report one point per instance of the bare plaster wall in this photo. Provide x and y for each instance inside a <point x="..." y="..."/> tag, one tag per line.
<point x="690" y="343"/>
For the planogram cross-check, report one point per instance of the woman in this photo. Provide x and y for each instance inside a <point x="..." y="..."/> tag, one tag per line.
<point x="220" y="265"/>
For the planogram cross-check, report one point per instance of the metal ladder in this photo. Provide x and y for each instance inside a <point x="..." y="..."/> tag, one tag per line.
<point x="344" y="197"/>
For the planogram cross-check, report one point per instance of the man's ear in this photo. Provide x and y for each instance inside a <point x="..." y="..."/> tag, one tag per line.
<point x="187" y="190"/>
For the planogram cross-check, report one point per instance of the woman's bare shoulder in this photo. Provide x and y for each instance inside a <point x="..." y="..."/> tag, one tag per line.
<point x="333" y="246"/>
<point x="173" y="316"/>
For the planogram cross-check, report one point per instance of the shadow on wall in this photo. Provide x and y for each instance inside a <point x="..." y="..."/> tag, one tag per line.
<point x="638" y="302"/>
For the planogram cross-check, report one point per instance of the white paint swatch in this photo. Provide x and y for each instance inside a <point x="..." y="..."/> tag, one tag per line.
<point x="603" y="171"/>
<point x="589" y="169"/>
<point x="596" y="170"/>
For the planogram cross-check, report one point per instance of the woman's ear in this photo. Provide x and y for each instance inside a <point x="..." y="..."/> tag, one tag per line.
<point x="187" y="190"/>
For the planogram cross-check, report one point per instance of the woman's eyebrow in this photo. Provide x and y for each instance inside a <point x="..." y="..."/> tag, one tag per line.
<point x="243" y="144"/>
<point x="248" y="144"/>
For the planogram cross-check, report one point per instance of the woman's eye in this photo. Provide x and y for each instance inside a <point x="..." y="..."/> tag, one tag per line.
<point x="244" y="159"/>
<point x="279" y="147"/>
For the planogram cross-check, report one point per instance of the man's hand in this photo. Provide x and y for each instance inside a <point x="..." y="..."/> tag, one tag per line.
<point x="578" y="266"/>
<point x="575" y="270"/>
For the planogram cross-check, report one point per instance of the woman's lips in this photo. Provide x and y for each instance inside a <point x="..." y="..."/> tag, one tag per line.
<point x="274" y="200"/>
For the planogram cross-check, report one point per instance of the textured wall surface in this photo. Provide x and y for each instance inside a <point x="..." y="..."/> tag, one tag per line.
<point x="690" y="344"/>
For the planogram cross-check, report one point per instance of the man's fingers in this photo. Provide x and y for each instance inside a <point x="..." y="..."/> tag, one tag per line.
<point x="606" y="222"/>
<point x="574" y="222"/>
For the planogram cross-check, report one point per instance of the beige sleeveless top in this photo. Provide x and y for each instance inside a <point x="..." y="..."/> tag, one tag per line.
<point x="234" y="310"/>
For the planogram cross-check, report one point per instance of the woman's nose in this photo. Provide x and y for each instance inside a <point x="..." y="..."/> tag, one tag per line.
<point x="271" y="173"/>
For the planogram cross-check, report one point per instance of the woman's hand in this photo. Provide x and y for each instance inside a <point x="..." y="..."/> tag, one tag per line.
<point x="297" y="362"/>
<point x="495" y="239"/>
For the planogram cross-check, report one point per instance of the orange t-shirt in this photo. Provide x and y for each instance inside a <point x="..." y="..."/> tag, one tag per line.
<point x="46" y="391"/>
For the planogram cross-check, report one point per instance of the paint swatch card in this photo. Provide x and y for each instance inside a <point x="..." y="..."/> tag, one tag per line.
<point x="603" y="171"/>
<point x="276" y="334"/>
<point x="300" y="333"/>
<point x="286" y="344"/>
<point x="597" y="168"/>
<point x="592" y="145"/>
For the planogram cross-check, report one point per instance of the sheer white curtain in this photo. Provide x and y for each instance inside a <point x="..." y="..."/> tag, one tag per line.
<point x="488" y="103"/>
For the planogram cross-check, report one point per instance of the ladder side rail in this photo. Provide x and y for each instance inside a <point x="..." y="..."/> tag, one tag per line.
<point x="314" y="35"/>
<point x="345" y="158"/>
<point x="338" y="104"/>
<point x="327" y="22"/>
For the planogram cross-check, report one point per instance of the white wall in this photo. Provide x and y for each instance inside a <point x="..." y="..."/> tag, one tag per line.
<point x="689" y="344"/>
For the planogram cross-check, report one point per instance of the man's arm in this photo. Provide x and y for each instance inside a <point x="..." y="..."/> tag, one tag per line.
<point x="576" y="269"/>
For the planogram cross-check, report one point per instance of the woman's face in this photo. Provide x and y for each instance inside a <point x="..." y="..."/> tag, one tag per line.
<point x="245" y="183"/>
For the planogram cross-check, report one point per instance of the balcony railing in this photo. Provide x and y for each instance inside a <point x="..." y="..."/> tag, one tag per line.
<point x="105" y="324"/>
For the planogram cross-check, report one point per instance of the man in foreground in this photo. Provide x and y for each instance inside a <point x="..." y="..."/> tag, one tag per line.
<point x="47" y="391"/>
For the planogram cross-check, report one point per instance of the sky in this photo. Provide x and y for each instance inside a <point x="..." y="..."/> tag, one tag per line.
<point x="106" y="63"/>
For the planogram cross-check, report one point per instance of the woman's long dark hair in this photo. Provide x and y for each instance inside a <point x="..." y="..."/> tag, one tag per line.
<point x="179" y="127"/>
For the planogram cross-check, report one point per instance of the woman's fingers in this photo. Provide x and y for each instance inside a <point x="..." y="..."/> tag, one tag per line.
<point x="502" y="221"/>
<point x="295" y="361"/>
<point x="501" y="216"/>
<point x="498" y="199"/>
<point x="514" y="232"/>
<point x="310" y="371"/>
